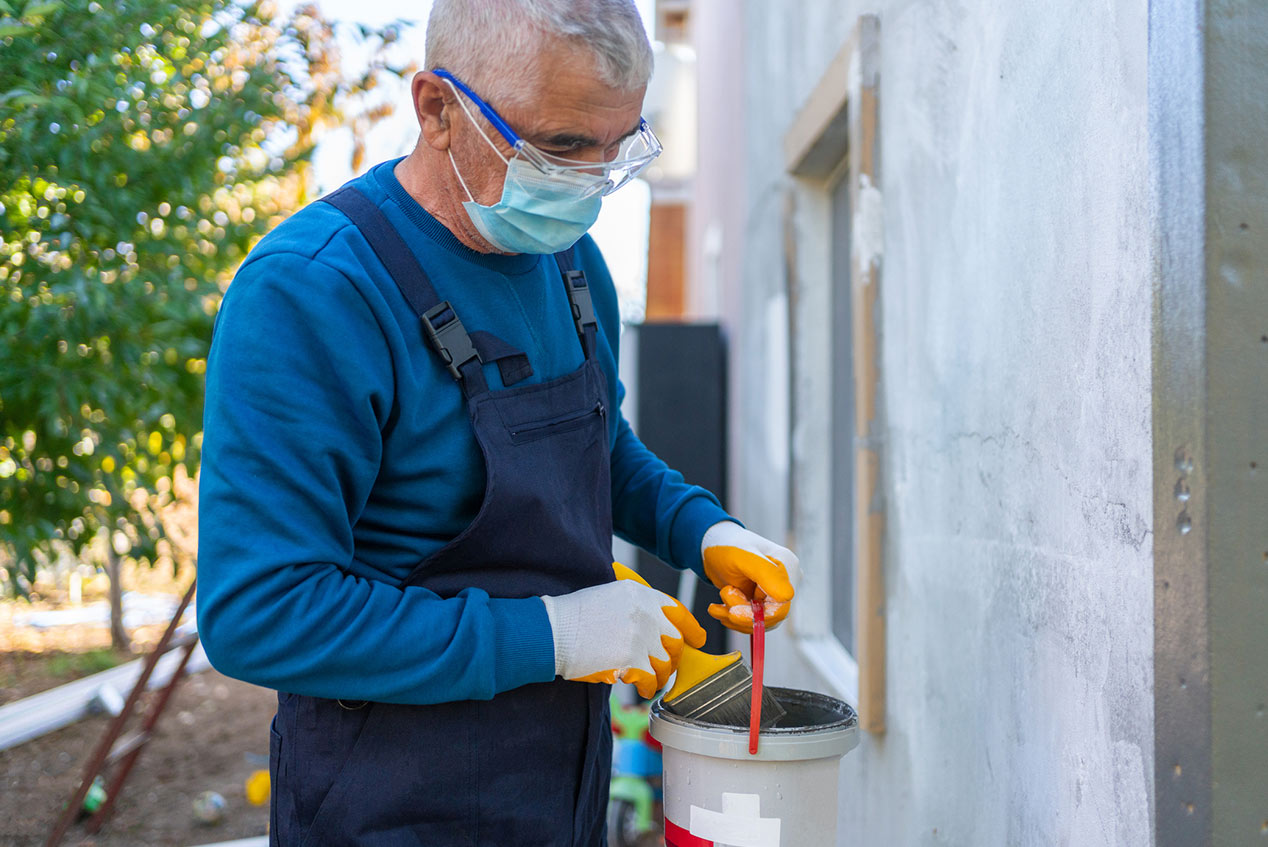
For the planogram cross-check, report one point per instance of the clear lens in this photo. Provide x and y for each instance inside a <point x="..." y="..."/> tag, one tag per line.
<point x="634" y="154"/>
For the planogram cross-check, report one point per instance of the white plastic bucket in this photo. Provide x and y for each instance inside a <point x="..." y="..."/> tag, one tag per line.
<point x="717" y="794"/>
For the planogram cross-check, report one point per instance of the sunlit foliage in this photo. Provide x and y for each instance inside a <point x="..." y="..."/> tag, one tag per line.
<point x="144" y="147"/>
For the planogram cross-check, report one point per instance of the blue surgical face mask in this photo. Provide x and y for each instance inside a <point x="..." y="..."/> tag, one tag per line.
<point x="537" y="213"/>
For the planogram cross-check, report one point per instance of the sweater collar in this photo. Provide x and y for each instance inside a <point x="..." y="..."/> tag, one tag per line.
<point x="385" y="175"/>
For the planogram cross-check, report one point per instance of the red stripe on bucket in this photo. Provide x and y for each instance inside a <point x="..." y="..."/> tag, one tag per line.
<point x="676" y="836"/>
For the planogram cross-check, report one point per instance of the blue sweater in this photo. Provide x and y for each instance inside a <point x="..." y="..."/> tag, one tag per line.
<point x="337" y="454"/>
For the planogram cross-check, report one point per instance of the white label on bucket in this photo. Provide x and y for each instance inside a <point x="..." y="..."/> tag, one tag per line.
<point x="739" y="824"/>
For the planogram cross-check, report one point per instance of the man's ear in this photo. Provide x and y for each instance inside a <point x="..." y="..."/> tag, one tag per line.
<point x="430" y="96"/>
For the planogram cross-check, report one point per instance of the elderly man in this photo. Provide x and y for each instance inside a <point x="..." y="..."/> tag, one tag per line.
<point x="414" y="460"/>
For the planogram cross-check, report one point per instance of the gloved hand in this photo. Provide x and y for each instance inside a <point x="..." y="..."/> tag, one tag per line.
<point x="693" y="634"/>
<point x="745" y="567"/>
<point x="620" y="630"/>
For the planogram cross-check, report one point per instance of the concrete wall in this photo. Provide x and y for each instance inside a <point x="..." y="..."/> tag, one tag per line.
<point x="718" y="213"/>
<point x="1015" y="320"/>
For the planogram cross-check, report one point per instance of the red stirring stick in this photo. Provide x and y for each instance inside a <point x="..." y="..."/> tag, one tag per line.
<point x="758" y="646"/>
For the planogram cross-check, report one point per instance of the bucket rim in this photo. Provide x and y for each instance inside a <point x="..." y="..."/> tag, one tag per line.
<point x="831" y="740"/>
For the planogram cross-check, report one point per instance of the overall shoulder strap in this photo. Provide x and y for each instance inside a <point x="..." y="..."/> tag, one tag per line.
<point x="578" y="289"/>
<point x="462" y="352"/>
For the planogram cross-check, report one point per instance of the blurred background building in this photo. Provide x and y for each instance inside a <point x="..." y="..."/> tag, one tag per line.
<point x="991" y="292"/>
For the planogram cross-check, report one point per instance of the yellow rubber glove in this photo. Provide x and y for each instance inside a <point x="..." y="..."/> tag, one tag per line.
<point x="746" y="567"/>
<point x="692" y="633"/>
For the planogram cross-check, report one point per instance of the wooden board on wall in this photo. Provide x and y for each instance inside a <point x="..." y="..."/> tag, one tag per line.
<point x="840" y="118"/>
<point x="667" y="262"/>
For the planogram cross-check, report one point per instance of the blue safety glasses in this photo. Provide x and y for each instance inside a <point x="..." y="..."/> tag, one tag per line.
<point x="635" y="152"/>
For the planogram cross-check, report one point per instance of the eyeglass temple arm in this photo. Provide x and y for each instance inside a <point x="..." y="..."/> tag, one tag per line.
<point x="494" y="118"/>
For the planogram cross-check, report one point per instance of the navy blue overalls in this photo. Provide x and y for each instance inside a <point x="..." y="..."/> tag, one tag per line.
<point x="531" y="766"/>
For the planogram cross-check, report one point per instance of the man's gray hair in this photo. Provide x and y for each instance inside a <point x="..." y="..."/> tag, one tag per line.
<point x="491" y="44"/>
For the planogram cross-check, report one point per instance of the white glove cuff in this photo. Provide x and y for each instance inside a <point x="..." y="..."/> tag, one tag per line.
<point x="565" y="627"/>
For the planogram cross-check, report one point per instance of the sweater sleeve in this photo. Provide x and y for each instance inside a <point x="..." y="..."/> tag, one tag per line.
<point x="653" y="507"/>
<point x="299" y="386"/>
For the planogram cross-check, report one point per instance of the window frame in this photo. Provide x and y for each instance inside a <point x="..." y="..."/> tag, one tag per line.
<point x="835" y="136"/>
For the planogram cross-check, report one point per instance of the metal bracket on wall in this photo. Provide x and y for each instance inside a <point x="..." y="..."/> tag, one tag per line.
<point x="1209" y="169"/>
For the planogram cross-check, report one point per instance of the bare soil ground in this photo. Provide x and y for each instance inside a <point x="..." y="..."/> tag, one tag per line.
<point x="214" y="733"/>
<point x="212" y="736"/>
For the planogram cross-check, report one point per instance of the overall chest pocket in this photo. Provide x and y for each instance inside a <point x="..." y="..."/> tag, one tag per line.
<point x="535" y="430"/>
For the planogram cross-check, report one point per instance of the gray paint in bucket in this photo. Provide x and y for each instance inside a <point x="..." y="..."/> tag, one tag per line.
<point x="785" y="796"/>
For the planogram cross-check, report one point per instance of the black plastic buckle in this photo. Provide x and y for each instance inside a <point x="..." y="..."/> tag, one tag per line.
<point x="447" y="334"/>
<point x="579" y="297"/>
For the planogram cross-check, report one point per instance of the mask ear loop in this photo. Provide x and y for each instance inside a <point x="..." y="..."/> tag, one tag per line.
<point x="462" y="105"/>
<point x="458" y="174"/>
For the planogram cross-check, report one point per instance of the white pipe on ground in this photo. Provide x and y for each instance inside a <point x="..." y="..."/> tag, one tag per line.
<point x="42" y="713"/>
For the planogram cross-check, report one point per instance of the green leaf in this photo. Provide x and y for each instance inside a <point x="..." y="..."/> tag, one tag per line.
<point x="40" y="9"/>
<point x="58" y="378"/>
<point x="19" y="97"/>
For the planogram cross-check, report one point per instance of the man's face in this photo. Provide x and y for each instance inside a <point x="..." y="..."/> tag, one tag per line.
<point x="566" y="111"/>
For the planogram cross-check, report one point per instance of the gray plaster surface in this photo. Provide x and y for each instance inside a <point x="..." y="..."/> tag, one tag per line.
<point x="1015" y="318"/>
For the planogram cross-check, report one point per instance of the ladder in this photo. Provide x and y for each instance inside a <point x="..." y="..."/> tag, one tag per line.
<point x="118" y="752"/>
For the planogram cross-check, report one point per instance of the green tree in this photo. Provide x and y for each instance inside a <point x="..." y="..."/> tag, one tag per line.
<point x="145" y="146"/>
